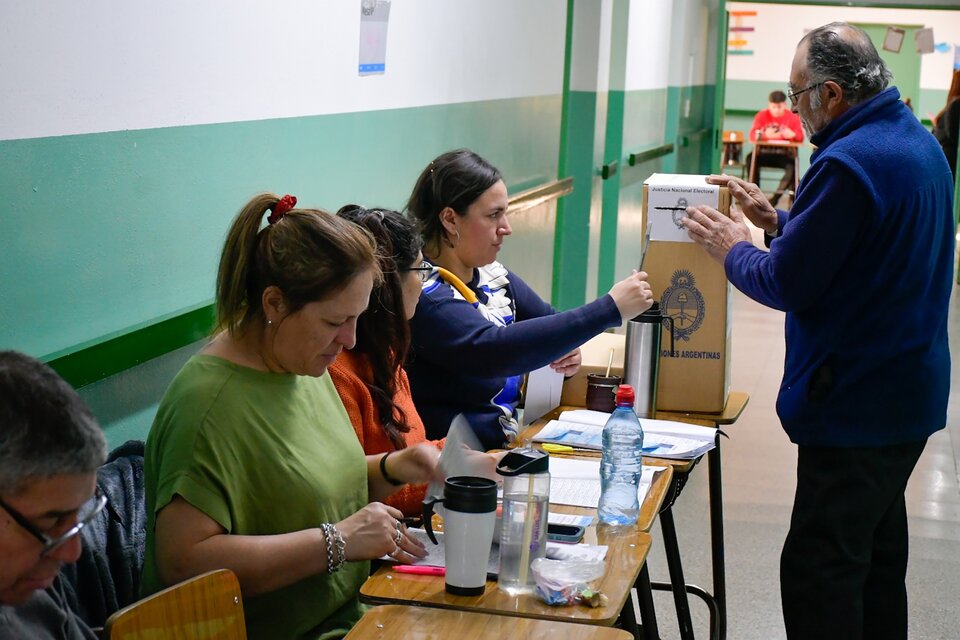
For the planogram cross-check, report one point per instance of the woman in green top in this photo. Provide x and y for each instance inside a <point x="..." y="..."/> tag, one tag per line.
<point x="251" y="463"/>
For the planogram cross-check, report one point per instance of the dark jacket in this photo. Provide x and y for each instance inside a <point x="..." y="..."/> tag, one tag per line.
<point x="106" y="578"/>
<point x="862" y="265"/>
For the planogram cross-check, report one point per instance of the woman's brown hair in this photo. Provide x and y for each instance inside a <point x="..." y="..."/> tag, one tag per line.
<point x="308" y="254"/>
<point x="455" y="179"/>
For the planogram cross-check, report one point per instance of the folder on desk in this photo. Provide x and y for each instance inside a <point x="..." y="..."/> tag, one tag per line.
<point x="583" y="429"/>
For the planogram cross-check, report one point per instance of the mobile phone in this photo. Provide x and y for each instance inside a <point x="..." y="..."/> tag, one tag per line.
<point x="564" y="532"/>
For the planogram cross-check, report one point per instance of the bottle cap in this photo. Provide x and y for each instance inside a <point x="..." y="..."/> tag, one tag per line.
<point x="625" y="396"/>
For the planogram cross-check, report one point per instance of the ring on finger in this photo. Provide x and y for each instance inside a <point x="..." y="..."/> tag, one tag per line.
<point x="398" y="537"/>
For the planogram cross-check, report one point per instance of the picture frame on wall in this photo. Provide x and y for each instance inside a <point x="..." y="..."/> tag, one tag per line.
<point x="894" y="39"/>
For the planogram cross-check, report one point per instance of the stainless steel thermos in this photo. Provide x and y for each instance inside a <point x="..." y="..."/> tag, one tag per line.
<point x="641" y="360"/>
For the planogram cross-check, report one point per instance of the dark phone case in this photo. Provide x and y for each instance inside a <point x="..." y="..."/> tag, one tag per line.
<point x="564" y="533"/>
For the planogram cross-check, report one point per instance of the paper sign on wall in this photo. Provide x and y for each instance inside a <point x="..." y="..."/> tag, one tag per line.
<point x="668" y="196"/>
<point x="374" y="16"/>
<point x="924" y="39"/>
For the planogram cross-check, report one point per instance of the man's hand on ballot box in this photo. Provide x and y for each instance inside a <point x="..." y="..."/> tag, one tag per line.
<point x="716" y="232"/>
<point x="751" y="201"/>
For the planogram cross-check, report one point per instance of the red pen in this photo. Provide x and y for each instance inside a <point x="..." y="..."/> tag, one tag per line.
<point x="427" y="570"/>
<point x="420" y="569"/>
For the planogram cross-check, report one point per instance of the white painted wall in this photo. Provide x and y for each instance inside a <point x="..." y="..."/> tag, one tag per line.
<point x="69" y="67"/>
<point x="649" y="44"/>
<point x="589" y="69"/>
<point x="779" y="27"/>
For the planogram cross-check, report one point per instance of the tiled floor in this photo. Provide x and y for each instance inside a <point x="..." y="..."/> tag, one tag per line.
<point x="758" y="484"/>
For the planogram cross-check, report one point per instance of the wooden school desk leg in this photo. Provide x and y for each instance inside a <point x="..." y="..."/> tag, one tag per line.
<point x="716" y="538"/>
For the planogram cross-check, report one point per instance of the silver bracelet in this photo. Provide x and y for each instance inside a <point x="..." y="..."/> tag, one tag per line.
<point x="336" y="548"/>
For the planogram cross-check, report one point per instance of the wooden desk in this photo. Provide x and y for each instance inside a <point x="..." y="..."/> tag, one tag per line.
<point x="760" y="147"/>
<point x="395" y="622"/>
<point x="626" y="554"/>
<point x="736" y="403"/>
<point x="626" y="557"/>
<point x="716" y="601"/>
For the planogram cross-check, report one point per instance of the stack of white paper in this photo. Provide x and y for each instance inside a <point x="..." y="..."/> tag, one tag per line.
<point x="577" y="482"/>
<point x="583" y="429"/>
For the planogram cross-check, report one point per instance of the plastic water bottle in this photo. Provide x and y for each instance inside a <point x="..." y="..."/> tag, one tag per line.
<point x="621" y="465"/>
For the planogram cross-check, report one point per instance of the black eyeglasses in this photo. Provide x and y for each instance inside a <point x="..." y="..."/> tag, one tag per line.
<point x="793" y="96"/>
<point x="423" y="272"/>
<point x="88" y="511"/>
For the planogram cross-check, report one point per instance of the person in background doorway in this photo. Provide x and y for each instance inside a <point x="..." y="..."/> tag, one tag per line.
<point x="777" y="122"/>
<point x="862" y="266"/>
<point x="251" y="463"/>
<point x="946" y="125"/>
<point x="50" y="449"/>
<point x="370" y="377"/>
<point x="479" y="328"/>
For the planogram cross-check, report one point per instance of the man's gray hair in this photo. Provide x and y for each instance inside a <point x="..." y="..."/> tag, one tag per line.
<point x="845" y="54"/>
<point x="45" y="428"/>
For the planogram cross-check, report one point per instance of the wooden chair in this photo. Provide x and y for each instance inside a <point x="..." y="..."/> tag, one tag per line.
<point x="207" y="606"/>
<point x="731" y="156"/>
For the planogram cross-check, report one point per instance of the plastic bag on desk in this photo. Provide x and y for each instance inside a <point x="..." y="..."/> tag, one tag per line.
<point x="565" y="582"/>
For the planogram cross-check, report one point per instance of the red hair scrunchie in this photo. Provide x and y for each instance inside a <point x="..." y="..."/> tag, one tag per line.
<point x="280" y="209"/>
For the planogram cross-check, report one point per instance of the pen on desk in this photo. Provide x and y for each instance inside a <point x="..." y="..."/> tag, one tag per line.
<point x="556" y="448"/>
<point x="420" y="570"/>
<point x="426" y="570"/>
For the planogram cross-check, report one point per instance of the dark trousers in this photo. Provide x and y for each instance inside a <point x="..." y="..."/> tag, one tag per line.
<point x="844" y="562"/>
<point x="776" y="161"/>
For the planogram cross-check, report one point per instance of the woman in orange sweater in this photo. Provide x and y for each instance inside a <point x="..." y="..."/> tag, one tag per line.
<point x="370" y="377"/>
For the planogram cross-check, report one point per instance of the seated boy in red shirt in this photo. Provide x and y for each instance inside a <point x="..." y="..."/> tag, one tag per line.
<point x="777" y="122"/>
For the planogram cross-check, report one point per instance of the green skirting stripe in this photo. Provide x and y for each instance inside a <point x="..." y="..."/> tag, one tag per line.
<point x="91" y="362"/>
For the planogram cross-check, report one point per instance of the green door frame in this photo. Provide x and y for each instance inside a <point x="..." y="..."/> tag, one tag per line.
<point x="721" y="78"/>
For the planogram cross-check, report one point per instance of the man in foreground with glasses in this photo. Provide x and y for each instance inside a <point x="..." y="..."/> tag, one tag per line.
<point x="50" y="449"/>
<point x="777" y="123"/>
<point x="862" y="265"/>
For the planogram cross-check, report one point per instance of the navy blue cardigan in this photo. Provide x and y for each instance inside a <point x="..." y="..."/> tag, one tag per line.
<point x="460" y="361"/>
<point x="862" y="265"/>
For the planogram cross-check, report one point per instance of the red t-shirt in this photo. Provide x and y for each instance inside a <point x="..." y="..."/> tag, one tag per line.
<point x="765" y="119"/>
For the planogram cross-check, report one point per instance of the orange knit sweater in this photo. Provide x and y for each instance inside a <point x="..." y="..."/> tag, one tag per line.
<point x="349" y="372"/>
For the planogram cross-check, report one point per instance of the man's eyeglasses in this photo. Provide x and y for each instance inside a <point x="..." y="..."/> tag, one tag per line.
<point x="793" y="95"/>
<point x="88" y="511"/>
<point x="423" y="272"/>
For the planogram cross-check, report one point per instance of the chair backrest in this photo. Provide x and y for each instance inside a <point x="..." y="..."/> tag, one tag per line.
<point x="732" y="136"/>
<point x="207" y="606"/>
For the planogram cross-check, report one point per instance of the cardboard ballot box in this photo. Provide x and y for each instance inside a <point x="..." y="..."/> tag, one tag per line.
<point x="693" y="290"/>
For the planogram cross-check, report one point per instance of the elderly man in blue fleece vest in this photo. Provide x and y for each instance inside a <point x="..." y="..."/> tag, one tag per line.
<point x="862" y="267"/>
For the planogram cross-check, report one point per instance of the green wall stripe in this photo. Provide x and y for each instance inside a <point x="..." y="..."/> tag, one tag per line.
<point x="572" y="234"/>
<point x="92" y="362"/>
<point x="117" y="229"/>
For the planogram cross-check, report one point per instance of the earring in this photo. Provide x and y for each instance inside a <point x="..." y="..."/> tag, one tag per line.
<point x="269" y="322"/>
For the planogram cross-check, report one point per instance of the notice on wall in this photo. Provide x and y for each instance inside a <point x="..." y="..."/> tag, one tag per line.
<point x="924" y="38"/>
<point x="374" y="17"/>
<point x="668" y="196"/>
